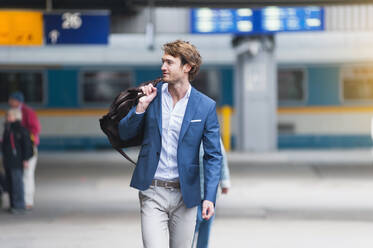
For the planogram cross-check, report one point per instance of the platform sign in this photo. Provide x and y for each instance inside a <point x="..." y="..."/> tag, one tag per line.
<point x="221" y="21"/>
<point x="21" y="28"/>
<point x="276" y="19"/>
<point x="77" y="28"/>
<point x="256" y="21"/>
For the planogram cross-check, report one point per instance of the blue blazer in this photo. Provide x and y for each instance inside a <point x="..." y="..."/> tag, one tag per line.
<point x="149" y="124"/>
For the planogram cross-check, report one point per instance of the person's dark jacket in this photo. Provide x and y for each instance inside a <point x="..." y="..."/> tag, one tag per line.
<point x="17" y="146"/>
<point x="2" y="185"/>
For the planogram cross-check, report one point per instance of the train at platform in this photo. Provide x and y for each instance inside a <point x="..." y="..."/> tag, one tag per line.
<point x="323" y="102"/>
<point x="318" y="106"/>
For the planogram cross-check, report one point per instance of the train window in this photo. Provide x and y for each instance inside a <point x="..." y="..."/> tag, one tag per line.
<point x="208" y="82"/>
<point x="104" y="86"/>
<point x="291" y="84"/>
<point x="357" y="83"/>
<point x="30" y="83"/>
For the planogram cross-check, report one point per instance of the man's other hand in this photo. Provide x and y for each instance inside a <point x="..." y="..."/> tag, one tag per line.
<point x="208" y="209"/>
<point x="25" y="164"/>
<point x="224" y="190"/>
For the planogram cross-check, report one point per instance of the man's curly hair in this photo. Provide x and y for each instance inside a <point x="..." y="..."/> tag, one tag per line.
<point x="188" y="54"/>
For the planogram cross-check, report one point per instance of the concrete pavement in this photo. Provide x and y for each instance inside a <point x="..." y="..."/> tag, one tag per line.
<point x="347" y="157"/>
<point x="83" y="200"/>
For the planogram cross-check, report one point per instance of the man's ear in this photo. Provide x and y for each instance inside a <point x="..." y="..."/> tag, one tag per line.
<point x="187" y="68"/>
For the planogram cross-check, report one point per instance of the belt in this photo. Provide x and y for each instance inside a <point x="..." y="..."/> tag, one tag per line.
<point x="166" y="184"/>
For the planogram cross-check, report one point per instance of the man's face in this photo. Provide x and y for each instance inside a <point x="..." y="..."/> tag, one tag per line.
<point x="13" y="103"/>
<point x="172" y="69"/>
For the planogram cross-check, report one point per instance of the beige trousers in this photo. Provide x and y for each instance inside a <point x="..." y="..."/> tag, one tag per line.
<point x="165" y="220"/>
<point x="29" y="180"/>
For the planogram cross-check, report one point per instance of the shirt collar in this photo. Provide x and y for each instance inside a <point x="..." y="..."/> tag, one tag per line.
<point x="165" y="90"/>
<point x="187" y="95"/>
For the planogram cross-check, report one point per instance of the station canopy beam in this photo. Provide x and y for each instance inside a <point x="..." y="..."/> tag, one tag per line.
<point x="129" y="6"/>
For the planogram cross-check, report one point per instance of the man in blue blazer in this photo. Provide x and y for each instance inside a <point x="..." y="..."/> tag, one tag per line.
<point x="174" y="118"/>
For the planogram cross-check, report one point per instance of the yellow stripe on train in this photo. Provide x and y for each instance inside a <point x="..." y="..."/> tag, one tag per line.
<point x="280" y="110"/>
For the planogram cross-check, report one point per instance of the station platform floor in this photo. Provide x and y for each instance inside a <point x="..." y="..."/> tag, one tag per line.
<point x="287" y="199"/>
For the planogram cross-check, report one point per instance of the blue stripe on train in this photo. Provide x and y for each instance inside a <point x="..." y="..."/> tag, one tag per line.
<point x="73" y="143"/>
<point x="284" y="142"/>
<point x="323" y="141"/>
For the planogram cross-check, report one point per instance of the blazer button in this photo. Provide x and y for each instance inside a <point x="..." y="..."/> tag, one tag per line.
<point x="158" y="153"/>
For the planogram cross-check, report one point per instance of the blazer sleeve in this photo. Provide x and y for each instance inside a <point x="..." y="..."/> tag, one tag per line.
<point x="212" y="158"/>
<point x="131" y="124"/>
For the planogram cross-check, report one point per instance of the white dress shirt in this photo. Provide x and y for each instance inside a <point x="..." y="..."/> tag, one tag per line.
<point x="172" y="119"/>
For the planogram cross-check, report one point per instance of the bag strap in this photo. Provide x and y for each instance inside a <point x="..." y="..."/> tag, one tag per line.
<point x="125" y="155"/>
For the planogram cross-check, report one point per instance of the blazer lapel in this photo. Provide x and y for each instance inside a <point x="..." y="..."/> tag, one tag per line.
<point x="191" y="109"/>
<point x="158" y="107"/>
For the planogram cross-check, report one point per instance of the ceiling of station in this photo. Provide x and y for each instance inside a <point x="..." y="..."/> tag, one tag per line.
<point x="246" y="3"/>
<point x="127" y="6"/>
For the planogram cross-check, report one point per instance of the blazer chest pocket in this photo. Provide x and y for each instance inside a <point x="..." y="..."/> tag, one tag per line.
<point x="196" y="121"/>
<point x="196" y="124"/>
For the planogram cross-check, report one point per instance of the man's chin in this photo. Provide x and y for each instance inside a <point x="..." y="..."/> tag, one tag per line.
<point x="166" y="79"/>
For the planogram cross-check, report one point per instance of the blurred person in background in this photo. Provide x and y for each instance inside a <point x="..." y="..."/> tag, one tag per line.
<point x="17" y="150"/>
<point x="2" y="185"/>
<point x="203" y="227"/>
<point x="31" y="122"/>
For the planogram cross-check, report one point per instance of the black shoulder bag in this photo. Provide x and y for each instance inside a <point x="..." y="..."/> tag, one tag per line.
<point x="120" y="107"/>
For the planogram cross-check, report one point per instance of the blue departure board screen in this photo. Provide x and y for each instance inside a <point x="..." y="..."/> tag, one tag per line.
<point x="220" y="21"/>
<point x="256" y="21"/>
<point x="275" y="19"/>
<point x="77" y="28"/>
